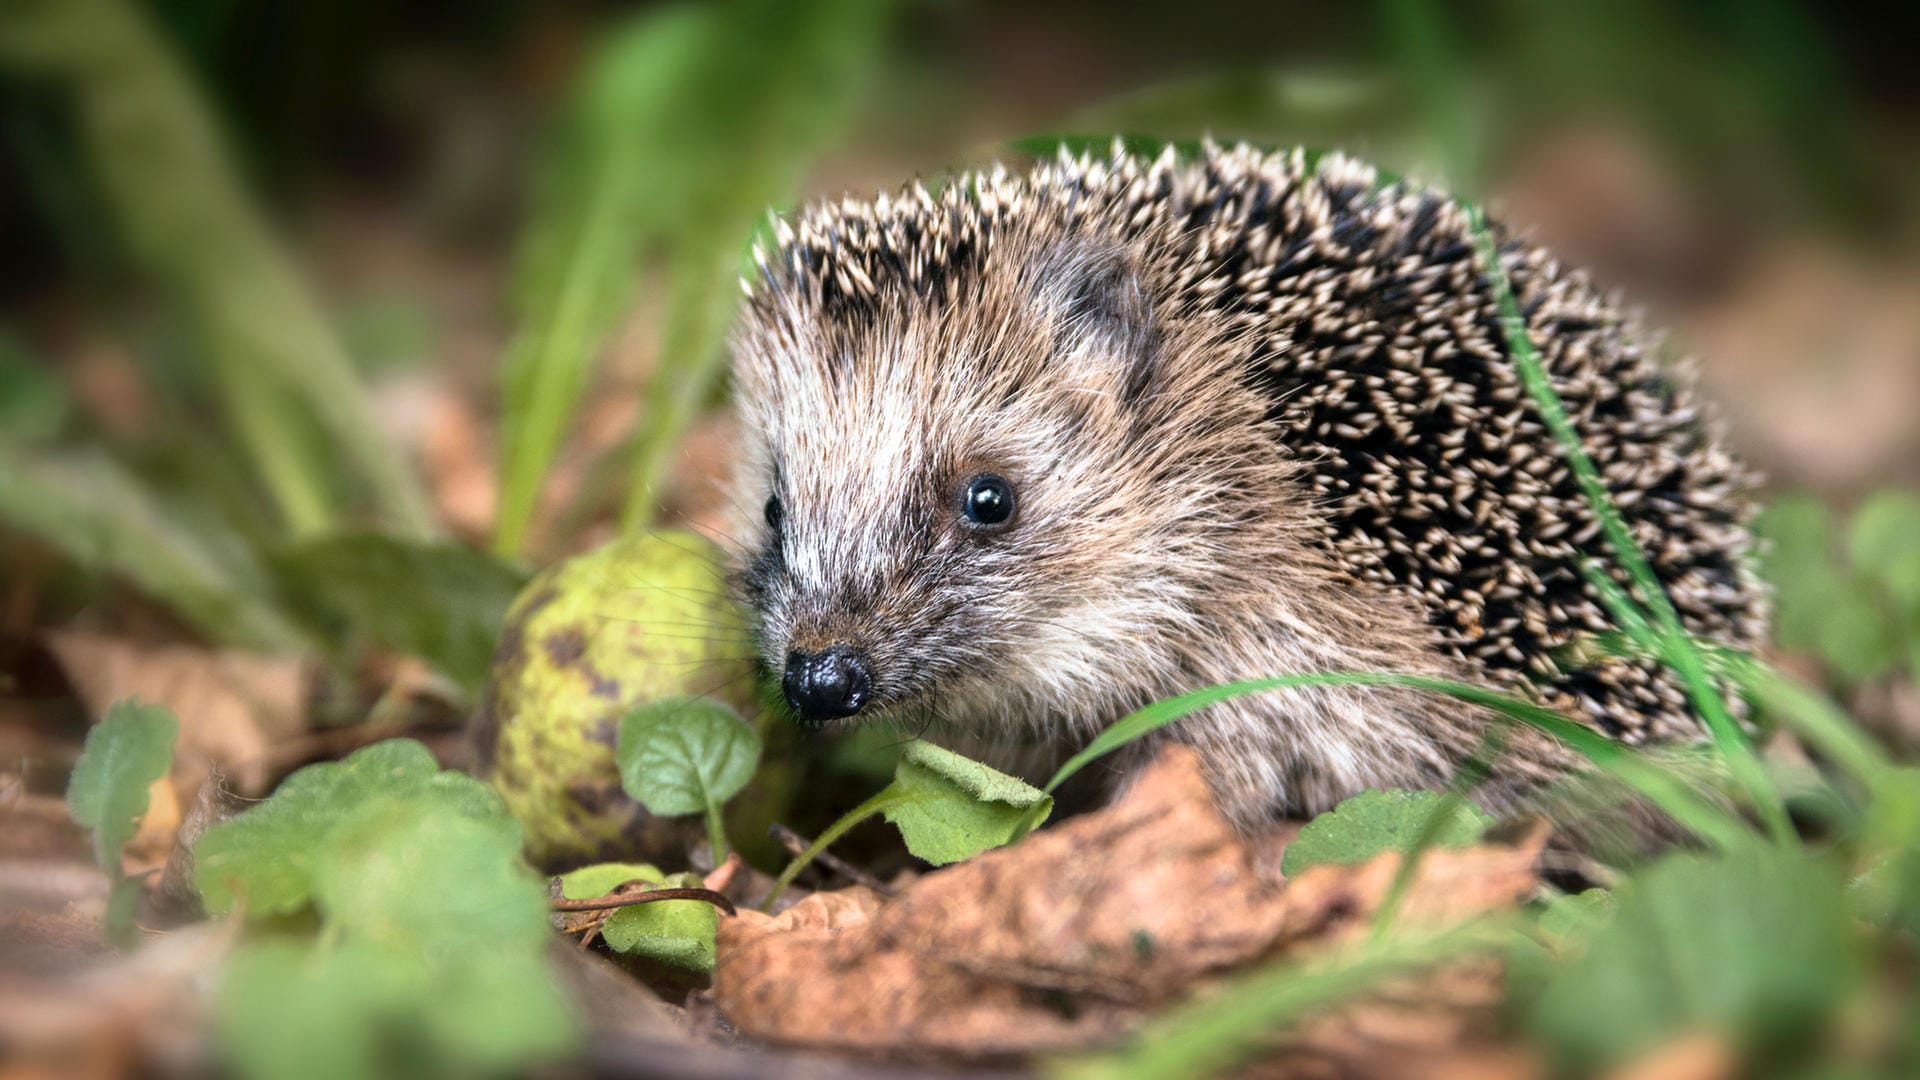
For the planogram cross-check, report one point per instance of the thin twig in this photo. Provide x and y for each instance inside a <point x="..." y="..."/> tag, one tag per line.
<point x="599" y="903"/>
<point x="796" y="844"/>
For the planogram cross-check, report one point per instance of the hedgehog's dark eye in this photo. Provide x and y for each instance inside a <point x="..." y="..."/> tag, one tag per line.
<point x="775" y="514"/>
<point x="988" y="502"/>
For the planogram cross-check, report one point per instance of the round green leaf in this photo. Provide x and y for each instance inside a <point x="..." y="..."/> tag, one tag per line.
<point x="269" y="852"/>
<point x="677" y="932"/>
<point x="1376" y="821"/>
<point x="1885" y="531"/>
<point x="680" y="754"/>
<point x="1858" y="638"/>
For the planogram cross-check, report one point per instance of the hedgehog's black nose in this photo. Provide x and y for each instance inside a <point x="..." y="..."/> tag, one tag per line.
<point x="827" y="685"/>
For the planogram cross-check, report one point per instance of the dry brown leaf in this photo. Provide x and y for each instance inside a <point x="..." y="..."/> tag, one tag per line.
<point x="153" y="842"/>
<point x="1815" y="358"/>
<point x="457" y="457"/>
<point x="1072" y="934"/>
<point x="233" y="706"/>
<point x="817" y="975"/>
<point x="40" y="827"/>
<point x="146" y="1011"/>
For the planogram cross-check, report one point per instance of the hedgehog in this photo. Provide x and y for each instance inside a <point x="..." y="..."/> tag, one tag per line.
<point x="1032" y="452"/>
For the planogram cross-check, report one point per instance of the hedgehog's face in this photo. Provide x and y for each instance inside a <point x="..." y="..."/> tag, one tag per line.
<point x="941" y="508"/>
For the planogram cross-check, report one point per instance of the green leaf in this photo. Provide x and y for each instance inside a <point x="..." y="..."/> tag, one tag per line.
<point x="1376" y="821"/>
<point x="1902" y="580"/>
<point x="950" y="807"/>
<point x="1888" y="891"/>
<point x="683" y="755"/>
<point x="1797" y="558"/>
<point x="294" y="1010"/>
<point x="290" y="1010"/>
<point x="1577" y="915"/>
<point x="441" y="602"/>
<point x="107" y="792"/>
<point x="677" y="932"/>
<point x="413" y="871"/>
<point x="1884" y="543"/>
<point x="268" y="853"/>
<point x="1855" y="635"/>
<point x="123" y="904"/>
<point x="947" y="807"/>
<point x="1849" y="618"/>
<point x="600" y="879"/>
<point x="1885" y="532"/>
<point x="435" y="932"/>
<point x="1757" y="944"/>
<point x="499" y="1015"/>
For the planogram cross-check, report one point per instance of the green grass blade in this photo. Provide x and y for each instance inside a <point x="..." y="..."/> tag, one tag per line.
<point x="604" y="185"/>
<point x="880" y="802"/>
<point x="1678" y="648"/>
<point x="685" y="128"/>
<point x="1671" y="794"/>
<point x="1817" y="720"/>
<point x="780" y="93"/>
<point x="704" y="296"/>
<point x="1211" y="1034"/>
<point x="193" y="228"/>
<point x="108" y="520"/>
<point x="1471" y="774"/>
<point x="1423" y="40"/>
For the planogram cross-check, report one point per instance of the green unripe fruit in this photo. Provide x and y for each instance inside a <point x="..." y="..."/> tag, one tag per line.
<point x="642" y="618"/>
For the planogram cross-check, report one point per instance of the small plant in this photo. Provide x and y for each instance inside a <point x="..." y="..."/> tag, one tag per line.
<point x="1376" y="821"/>
<point x="947" y="807"/>
<point x="107" y="793"/>
<point x="428" y="930"/>
<point x="687" y="755"/>
<point x="676" y="932"/>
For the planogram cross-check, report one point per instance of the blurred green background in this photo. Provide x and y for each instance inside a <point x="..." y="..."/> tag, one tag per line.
<point x="325" y="322"/>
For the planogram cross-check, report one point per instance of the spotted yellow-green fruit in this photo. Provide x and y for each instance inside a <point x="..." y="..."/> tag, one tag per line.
<point x="644" y="617"/>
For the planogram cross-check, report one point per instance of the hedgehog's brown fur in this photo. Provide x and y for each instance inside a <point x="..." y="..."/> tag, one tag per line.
<point x="1260" y="418"/>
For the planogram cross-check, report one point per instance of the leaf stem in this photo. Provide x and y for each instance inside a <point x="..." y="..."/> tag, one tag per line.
<point x="716" y="832"/>
<point x="883" y="799"/>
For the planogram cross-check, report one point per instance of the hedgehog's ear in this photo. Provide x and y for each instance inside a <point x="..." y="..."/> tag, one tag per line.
<point x="1097" y="299"/>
